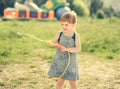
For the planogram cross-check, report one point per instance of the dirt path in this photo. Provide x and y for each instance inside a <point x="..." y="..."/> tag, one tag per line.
<point x="94" y="73"/>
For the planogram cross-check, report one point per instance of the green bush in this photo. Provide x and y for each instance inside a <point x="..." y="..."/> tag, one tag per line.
<point x="80" y="8"/>
<point x="117" y="14"/>
<point x="95" y="6"/>
<point x="108" y="11"/>
<point x="100" y="14"/>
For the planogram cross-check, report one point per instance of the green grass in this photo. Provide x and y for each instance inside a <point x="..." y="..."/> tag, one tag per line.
<point x="98" y="37"/>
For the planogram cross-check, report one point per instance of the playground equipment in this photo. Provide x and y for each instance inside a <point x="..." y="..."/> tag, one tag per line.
<point x="29" y="10"/>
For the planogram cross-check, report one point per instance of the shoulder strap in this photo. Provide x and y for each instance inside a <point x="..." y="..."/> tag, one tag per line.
<point x="59" y="37"/>
<point x="73" y="36"/>
<point x="62" y="33"/>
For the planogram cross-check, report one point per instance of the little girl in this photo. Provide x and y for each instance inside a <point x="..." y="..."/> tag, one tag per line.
<point x="70" y="42"/>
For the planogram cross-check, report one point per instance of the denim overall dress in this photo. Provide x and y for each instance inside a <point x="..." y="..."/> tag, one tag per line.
<point x="61" y="59"/>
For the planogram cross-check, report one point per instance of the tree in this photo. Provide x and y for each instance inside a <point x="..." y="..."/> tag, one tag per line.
<point x="95" y="6"/>
<point x="2" y="6"/>
<point x="80" y="8"/>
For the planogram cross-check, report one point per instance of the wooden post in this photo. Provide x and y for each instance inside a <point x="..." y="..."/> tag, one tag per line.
<point x="39" y="15"/>
<point x="51" y="15"/>
<point x="27" y="14"/>
<point x="17" y="13"/>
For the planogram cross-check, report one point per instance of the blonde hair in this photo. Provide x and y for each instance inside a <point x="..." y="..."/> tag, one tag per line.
<point x="70" y="17"/>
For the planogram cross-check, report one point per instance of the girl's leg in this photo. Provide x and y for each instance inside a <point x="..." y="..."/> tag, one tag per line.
<point x="60" y="83"/>
<point x="73" y="84"/>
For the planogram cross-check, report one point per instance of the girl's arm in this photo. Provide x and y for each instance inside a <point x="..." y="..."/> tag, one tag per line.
<point x="54" y="40"/>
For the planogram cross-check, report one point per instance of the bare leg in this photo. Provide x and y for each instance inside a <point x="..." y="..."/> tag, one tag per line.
<point x="60" y="83"/>
<point x="73" y="84"/>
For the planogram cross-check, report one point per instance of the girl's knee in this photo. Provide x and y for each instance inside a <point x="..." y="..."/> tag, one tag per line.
<point x="60" y="82"/>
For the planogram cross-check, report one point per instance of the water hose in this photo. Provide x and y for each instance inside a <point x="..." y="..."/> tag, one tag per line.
<point x="54" y="44"/>
<point x="67" y="66"/>
<point x="33" y="37"/>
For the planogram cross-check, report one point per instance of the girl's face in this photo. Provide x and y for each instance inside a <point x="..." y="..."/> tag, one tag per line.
<point x="66" y="26"/>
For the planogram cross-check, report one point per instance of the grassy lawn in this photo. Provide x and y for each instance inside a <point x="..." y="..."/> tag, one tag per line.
<point x="98" y="37"/>
<point x="24" y="62"/>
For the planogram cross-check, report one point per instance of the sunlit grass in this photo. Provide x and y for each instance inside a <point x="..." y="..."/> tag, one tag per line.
<point x="98" y="37"/>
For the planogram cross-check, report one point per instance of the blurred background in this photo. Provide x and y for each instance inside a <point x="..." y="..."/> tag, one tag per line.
<point x="93" y="8"/>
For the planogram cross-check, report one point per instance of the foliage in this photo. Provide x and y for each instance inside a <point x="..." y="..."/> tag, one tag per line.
<point x="117" y="14"/>
<point x="95" y="6"/>
<point x="100" y="14"/>
<point x="108" y="11"/>
<point x="2" y="6"/>
<point x="80" y="8"/>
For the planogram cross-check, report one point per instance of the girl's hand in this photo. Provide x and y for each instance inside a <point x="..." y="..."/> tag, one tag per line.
<point x="63" y="49"/>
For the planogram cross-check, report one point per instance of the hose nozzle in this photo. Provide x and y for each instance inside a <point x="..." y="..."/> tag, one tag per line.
<point x="52" y="44"/>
